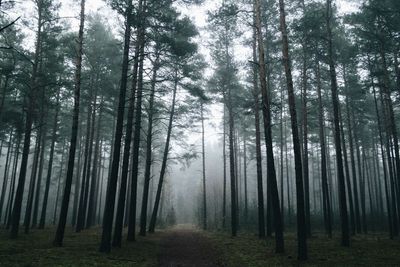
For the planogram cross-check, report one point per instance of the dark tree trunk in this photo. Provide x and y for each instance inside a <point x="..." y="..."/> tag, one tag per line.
<point x="75" y="122"/>
<point x="91" y="215"/>
<point x="39" y="181"/>
<point x="10" y="200"/>
<point x="339" y="160"/>
<point x="391" y="221"/>
<point x="138" y="129"/>
<point x="80" y="222"/>
<point x="105" y="245"/>
<point x="204" y="168"/>
<point x="153" y="219"/>
<point x="260" y="191"/>
<point x="224" y="171"/>
<point x="147" y="172"/>
<point x="119" y="219"/>
<point x="5" y="176"/>
<point x="16" y="211"/>
<point x="31" y="190"/>
<point x="42" y="221"/>
<point x="271" y="174"/>
<point x="324" y="177"/>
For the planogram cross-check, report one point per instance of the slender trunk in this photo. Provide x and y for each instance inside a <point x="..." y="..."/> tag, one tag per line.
<point x="138" y="129"/>
<point x="147" y="173"/>
<point x="392" y="225"/>
<point x="353" y="169"/>
<point x="10" y="201"/>
<point x="39" y="181"/>
<point x="58" y="240"/>
<point x="224" y="171"/>
<point x="50" y="166"/>
<point x="301" y="216"/>
<point x="153" y="219"/>
<point x="122" y="206"/>
<point x="5" y="176"/>
<point x="260" y="192"/>
<point x="339" y="160"/>
<point x="80" y="222"/>
<point x="91" y="215"/>
<point x="31" y="190"/>
<point x="324" y="177"/>
<point x="108" y="217"/>
<point x="271" y="174"/>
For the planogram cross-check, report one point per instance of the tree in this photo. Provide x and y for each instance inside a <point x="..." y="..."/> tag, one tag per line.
<point x="58" y="240"/>
<point x="271" y="174"/>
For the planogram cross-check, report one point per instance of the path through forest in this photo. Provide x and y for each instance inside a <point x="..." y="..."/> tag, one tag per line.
<point x="185" y="246"/>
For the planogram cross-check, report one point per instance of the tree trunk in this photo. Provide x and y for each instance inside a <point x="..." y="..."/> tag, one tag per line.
<point x="147" y="173"/>
<point x="153" y="219"/>
<point x="75" y="122"/>
<point x="260" y="191"/>
<point x="91" y="215"/>
<point x="271" y="174"/>
<point x="138" y="129"/>
<point x="324" y="177"/>
<point x="339" y="160"/>
<point x="105" y="245"/>
<point x="42" y="221"/>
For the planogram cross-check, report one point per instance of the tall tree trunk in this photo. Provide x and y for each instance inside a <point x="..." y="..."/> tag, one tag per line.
<point x="119" y="219"/>
<point x="324" y="177"/>
<point x="305" y="140"/>
<point x="108" y="217"/>
<point x="138" y="129"/>
<point x="153" y="219"/>
<point x="256" y="94"/>
<point x="91" y="215"/>
<point x="80" y="222"/>
<point x="39" y="180"/>
<point x="75" y="122"/>
<point x="271" y="174"/>
<point x="224" y="171"/>
<point x="5" y="175"/>
<point x="42" y="221"/>
<point x="147" y="172"/>
<point x="31" y="190"/>
<point x="203" y="167"/>
<point x="391" y="221"/>
<point x="339" y="160"/>
<point x="353" y="169"/>
<point x="10" y="201"/>
<point x="16" y="211"/>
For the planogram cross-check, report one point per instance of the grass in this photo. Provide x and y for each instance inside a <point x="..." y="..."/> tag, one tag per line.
<point x="246" y="250"/>
<point x="249" y="250"/>
<point x="80" y="249"/>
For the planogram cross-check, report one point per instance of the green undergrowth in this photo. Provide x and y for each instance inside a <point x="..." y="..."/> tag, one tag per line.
<point x="80" y="249"/>
<point x="245" y="250"/>
<point x="366" y="250"/>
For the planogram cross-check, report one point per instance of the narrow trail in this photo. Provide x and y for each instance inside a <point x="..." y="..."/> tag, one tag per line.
<point x="185" y="246"/>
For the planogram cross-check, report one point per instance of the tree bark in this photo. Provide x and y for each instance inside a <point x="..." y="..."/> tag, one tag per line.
<point x="271" y="174"/>
<point x="339" y="160"/>
<point x="75" y="122"/>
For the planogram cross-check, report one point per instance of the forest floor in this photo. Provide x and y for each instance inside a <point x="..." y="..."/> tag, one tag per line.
<point x="184" y="246"/>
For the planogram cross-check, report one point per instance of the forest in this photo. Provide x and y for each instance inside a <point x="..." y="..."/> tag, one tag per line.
<point x="199" y="132"/>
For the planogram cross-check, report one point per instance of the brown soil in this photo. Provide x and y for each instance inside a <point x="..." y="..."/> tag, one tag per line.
<point x="185" y="246"/>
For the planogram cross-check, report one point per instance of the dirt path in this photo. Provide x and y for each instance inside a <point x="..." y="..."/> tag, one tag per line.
<point x="185" y="246"/>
